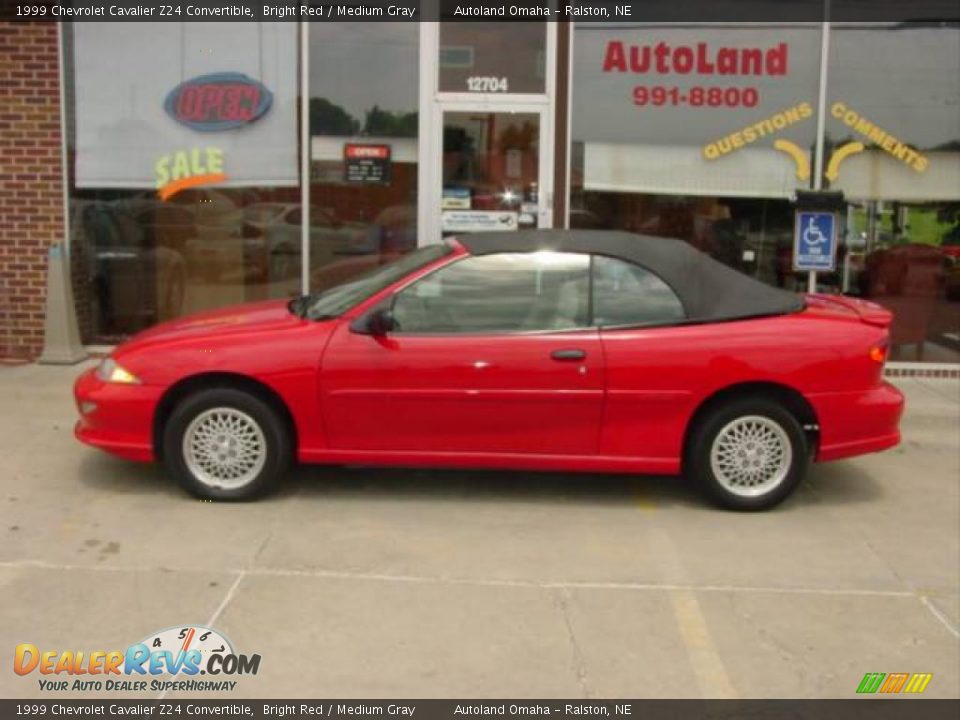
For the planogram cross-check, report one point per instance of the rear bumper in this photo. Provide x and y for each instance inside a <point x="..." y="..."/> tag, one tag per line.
<point x="856" y="423"/>
<point x="121" y="421"/>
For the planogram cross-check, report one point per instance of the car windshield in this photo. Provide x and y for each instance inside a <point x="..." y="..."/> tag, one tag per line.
<point x="336" y="300"/>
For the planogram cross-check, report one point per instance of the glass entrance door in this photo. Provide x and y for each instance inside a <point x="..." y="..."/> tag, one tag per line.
<point x="492" y="171"/>
<point x="486" y="153"/>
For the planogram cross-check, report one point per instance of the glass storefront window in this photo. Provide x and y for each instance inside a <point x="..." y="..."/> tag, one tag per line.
<point x="698" y="132"/>
<point x="752" y="235"/>
<point x="364" y="115"/>
<point x="493" y="57"/>
<point x="174" y="156"/>
<point x="184" y="160"/>
<point x="694" y="109"/>
<point x="705" y="133"/>
<point x="893" y="148"/>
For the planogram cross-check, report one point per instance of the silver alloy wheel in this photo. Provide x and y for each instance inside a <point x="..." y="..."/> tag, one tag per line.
<point x="751" y="456"/>
<point x="224" y="448"/>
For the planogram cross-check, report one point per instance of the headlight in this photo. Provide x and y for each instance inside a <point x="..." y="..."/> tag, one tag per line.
<point x="109" y="371"/>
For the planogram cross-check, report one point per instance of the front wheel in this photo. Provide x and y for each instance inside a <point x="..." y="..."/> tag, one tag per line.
<point x="748" y="454"/>
<point x="226" y="444"/>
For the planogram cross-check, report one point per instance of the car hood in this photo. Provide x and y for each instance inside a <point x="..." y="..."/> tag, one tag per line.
<point x="237" y="319"/>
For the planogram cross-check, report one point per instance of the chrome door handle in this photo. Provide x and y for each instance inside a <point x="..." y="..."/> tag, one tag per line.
<point x="568" y="354"/>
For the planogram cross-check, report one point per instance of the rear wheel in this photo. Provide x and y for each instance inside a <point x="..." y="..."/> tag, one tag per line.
<point x="226" y="444"/>
<point x="748" y="454"/>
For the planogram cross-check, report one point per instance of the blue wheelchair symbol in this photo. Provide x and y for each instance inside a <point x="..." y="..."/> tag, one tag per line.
<point x="815" y="243"/>
<point x="812" y="235"/>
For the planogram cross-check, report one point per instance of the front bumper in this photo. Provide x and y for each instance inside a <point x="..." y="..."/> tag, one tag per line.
<point x="121" y="421"/>
<point x="856" y="423"/>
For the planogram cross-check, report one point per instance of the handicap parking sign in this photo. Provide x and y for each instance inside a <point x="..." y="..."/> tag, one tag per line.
<point x="815" y="241"/>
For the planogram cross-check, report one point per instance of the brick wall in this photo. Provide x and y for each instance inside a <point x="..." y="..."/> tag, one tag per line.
<point x="31" y="180"/>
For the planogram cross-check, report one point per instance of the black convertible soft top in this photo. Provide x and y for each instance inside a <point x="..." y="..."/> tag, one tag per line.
<point x="709" y="290"/>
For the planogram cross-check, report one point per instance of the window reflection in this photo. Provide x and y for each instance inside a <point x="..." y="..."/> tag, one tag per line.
<point x="138" y="260"/>
<point x="893" y="147"/>
<point x="627" y="294"/>
<point x="688" y="152"/>
<point x="490" y="168"/>
<point x="752" y="235"/>
<point x="493" y="57"/>
<point x="141" y="252"/>
<point x="363" y="147"/>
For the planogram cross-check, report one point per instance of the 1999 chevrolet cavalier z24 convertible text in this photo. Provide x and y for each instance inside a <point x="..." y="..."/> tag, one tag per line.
<point x="552" y="350"/>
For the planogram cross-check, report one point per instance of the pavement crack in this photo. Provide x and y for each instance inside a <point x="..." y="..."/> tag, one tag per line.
<point x="928" y="604"/>
<point x="561" y="600"/>
<point x="546" y="584"/>
<point x="259" y="550"/>
<point x="904" y="582"/>
<point x="231" y="591"/>
<point x="910" y="588"/>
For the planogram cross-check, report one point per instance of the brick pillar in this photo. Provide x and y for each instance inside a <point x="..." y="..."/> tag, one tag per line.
<point x="31" y="180"/>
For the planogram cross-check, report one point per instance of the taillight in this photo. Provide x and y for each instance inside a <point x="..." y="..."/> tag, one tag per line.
<point x="878" y="353"/>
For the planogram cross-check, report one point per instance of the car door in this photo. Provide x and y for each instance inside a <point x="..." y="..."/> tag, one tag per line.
<point x="648" y="350"/>
<point x="489" y="354"/>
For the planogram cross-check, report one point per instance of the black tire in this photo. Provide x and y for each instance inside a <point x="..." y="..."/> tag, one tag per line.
<point x="699" y="468"/>
<point x="273" y="432"/>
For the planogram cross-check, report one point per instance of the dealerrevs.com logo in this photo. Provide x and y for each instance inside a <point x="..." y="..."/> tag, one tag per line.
<point x="171" y="659"/>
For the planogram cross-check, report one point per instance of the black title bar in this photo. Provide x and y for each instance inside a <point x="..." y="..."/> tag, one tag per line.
<point x="484" y="10"/>
<point x="860" y="709"/>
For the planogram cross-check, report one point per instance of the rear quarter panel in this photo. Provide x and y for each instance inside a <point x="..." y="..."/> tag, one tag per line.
<point x="658" y="377"/>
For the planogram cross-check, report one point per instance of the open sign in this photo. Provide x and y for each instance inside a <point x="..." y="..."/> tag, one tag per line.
<point x="368" y="164"/>
<point x="219" y="101"/>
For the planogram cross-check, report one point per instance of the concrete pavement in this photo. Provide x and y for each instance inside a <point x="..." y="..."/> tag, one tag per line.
<point x="393" y="583"/>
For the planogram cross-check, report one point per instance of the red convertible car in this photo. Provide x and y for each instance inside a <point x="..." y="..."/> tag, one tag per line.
<point x="552" y="350"/>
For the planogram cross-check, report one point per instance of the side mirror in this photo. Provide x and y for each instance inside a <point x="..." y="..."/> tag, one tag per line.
<point x="377" y="322"/>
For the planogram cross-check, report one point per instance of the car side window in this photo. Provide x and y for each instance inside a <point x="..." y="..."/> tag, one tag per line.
<point x="627" y="294"/>
<point x="498" y="293"/>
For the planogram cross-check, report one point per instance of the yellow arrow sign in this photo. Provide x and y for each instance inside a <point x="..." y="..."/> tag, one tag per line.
<point x="839" y="155"/>
<point x="798" y="155"/>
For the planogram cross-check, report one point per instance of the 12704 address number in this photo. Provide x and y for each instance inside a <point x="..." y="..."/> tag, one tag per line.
<point x="487" y="84"/>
